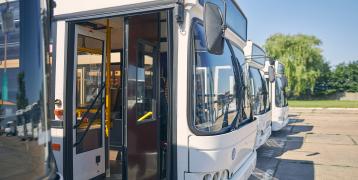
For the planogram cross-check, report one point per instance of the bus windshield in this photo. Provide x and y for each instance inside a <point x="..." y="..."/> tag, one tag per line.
<point x="24" y="129"/>
<point x="216" y="96"/>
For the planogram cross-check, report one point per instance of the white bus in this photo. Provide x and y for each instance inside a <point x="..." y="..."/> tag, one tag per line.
<point x="20" y="124"/>
<point x="259" y="90"/>
<point x="279" y="98"/>
<point x="151" y="89"/>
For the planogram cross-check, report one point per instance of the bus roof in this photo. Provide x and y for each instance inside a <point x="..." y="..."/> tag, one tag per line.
<point x="73" y="9"/>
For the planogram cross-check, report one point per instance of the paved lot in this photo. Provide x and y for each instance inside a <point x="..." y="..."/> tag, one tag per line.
<point x="317" y="144"/>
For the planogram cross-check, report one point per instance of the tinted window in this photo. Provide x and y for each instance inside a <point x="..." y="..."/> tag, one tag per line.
<point x="145" y="82"/>
<point x="247" y="103"/>
<point x="265" y="94"/>
<point x="215" y="86"/>
<point x="258" y="90"/>
<point x="280" y="94"/>
<point x="236" y="20"/>
<point x="258" y="55"/>
<point x="89" y="87"/>
<point x="269" y="94"/>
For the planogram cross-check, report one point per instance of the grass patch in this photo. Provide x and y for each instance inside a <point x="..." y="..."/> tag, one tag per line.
<point x="322" y="104"/>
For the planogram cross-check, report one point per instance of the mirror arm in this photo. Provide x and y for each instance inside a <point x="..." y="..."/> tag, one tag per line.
<point x="224" y="18"/>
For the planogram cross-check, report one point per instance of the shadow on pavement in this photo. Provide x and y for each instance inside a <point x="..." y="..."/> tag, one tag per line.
<point x="271" y="166"/>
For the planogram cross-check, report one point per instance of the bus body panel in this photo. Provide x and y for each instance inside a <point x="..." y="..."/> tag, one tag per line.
<point x="244" y="171"/>
<point x="58" y="133"/>
<point x="222" y="152"/>
<point x="263" y="119"/>
<point x="264" y="128"/>
<point x="181" y="47"/>
<point x="279" y="118"/>
<point x="247" y="169"/>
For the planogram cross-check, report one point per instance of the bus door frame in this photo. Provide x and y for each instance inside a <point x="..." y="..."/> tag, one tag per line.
<point x="69" y="51"/>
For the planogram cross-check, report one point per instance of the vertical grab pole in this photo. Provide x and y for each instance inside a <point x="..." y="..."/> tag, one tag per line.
<point x="108" y="95"/>
<point x="108" y="78"/>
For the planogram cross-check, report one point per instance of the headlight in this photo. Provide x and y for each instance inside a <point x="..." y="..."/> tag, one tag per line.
<point x="216" y="176"/>
<point x="224" y="175"/>
<point x="207" y="177"/>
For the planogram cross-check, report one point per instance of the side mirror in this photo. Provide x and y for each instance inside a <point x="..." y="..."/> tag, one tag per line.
<point x="213" y="24"/>
<point x="271" y="73"/>
<point x="7" y="17"/>
<point x="284" y="82"/>
<point x="271" y="61"/>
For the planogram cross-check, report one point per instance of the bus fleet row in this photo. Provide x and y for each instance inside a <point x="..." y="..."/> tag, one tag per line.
<point x="145" y="89"/>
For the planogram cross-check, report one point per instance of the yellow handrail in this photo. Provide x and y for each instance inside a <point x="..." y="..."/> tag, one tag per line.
<point x="145" y="116"/>
<point x="108" y="79"/>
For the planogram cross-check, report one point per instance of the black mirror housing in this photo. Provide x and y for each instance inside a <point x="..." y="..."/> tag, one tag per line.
<point x="271" y="73"/>
<point x="284" y="82"/>
<point x="214" y="32"/>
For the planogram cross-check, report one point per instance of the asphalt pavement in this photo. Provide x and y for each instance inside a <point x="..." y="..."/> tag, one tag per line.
<point x="320" y="144"/>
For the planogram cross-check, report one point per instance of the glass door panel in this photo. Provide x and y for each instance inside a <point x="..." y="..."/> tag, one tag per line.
<point x="88" y="104"/>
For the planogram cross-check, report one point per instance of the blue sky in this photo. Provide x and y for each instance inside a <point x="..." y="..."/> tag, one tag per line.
<point x="335" y="22"/>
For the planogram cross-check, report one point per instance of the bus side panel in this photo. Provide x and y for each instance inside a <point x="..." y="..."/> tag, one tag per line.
<point x="58" y="133"/>
<point x="222" y="152"/>
<point x="264" y="128"/>
<point x="181" y="47"/>
<point x="279" y="118"/>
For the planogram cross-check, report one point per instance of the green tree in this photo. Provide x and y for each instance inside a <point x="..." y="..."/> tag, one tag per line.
<point x="302" y="58"/>
<point x="324" y="81"/>
<point x="345" y="77"/>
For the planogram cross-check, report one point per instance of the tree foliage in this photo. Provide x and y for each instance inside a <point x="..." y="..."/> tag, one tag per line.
<point x="324" y="81"/>
<point x="345" y="77"/>
<point x="302" y="58"/>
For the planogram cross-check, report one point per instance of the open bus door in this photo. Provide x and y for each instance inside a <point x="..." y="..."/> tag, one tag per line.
<point x="143" y="117"/>
<point x="88" y="104"/>
<point x="136" y="146"/>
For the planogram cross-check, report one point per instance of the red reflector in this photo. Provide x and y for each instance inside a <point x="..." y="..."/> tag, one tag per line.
<point x="58" y="112"/>
<point x="56" y="147"/>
